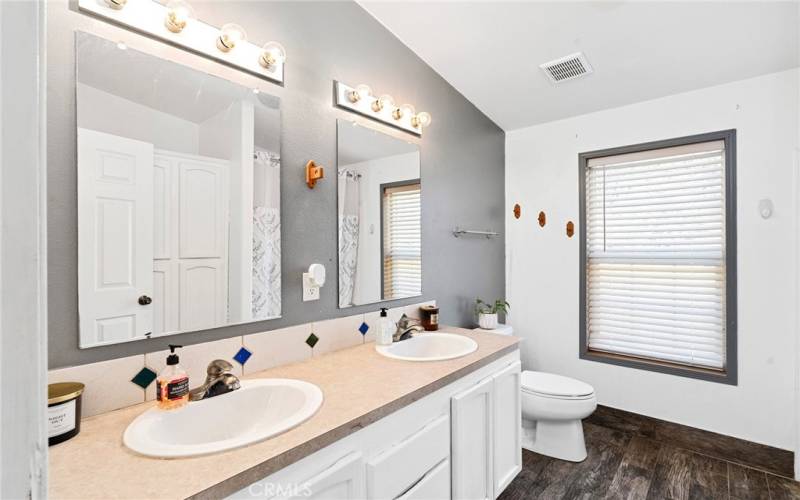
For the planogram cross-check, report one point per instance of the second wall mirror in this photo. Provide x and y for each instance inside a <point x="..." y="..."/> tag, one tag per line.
<point x="178" y="197"/>
<point x="379" y="214"/>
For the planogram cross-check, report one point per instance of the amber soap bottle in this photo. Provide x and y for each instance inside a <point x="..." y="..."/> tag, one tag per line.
<point x="172" y="384"/>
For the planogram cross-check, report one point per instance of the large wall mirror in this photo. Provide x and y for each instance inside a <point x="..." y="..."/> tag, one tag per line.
<point x="380" y="247"/>
<point x="178" y="197"/>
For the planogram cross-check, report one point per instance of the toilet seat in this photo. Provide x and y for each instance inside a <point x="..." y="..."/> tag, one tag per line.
<point x="550" y="385"/>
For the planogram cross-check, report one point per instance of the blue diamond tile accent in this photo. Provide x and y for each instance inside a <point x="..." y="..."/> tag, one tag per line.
<point x="242" y="356"/>
<point x="363" y="328"/>
<point x="144" y="378"/>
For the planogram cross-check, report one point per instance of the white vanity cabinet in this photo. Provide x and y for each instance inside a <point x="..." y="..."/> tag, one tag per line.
<point x="461" y="441"/>
<point x="486" y="433"/>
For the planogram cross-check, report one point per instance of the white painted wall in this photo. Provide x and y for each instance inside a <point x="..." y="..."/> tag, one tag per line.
<point x="543" y="264"/>
<point x="374" y="173"/>
<point x="104" y="112"/>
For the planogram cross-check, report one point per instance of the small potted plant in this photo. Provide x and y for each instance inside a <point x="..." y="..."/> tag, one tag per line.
<point x="487" y="313"/>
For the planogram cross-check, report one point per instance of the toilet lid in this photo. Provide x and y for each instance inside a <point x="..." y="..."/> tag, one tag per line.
<point x="551" y="384"/>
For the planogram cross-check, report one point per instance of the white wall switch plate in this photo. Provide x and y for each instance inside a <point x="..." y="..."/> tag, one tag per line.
<point x="310" y="291"/>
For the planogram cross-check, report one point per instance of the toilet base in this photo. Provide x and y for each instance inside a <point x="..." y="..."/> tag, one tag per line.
<point x="562" y="439"/>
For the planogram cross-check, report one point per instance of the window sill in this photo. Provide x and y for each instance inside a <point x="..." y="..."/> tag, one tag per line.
<point x="709" y="375"/>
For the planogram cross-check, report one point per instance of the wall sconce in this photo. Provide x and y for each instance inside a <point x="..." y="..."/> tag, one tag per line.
<point x="313" y="173"/>
<point x="229" y="35"/>
<point x="272" y="53"/>
<point x="175" y="22"/>
<point x="361" y="100"/>
<point x="178" y="14"/>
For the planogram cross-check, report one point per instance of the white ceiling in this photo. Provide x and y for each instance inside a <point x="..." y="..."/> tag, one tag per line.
<point x="640" y="50"/>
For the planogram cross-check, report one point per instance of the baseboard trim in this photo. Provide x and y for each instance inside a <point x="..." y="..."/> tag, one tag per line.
<point x="758" y="456"/>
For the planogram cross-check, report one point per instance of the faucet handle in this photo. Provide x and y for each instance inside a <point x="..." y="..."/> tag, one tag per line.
<point x="218" y="367"/>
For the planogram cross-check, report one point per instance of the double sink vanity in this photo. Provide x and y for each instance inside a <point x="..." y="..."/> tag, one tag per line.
<point x="353" y="423"/>
<point x="179" y="231"/>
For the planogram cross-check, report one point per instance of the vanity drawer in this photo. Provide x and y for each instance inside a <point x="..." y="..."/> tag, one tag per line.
<point x="435" y="484"/>
<point x="396" y="469"/>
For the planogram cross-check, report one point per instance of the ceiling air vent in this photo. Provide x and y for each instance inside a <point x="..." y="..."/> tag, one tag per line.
<point x="567" y="68"/>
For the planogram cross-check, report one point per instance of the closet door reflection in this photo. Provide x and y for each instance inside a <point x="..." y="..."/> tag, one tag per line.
<point x="379" y="215"/>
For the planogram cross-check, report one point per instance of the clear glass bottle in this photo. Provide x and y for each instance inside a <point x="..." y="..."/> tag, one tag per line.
<point x="172" y="384"/>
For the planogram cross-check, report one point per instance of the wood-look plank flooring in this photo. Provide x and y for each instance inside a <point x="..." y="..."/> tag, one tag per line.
<point x="624" y="463"/>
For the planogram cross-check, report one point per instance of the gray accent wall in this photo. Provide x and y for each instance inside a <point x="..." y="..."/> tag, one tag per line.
<point x="462" y="160"/>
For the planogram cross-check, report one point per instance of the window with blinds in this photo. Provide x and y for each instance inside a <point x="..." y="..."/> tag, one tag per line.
<point x="402" y="246"/>
<point x="655" y="256"/>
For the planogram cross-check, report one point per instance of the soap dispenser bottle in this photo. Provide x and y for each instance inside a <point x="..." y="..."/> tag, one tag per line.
<point x="384" y="336"/>
<point x="172" y="384"/>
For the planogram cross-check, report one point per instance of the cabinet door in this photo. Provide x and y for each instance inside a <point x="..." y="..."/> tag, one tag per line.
<point x="507" y="426"/>
<point x="472" y="425"/>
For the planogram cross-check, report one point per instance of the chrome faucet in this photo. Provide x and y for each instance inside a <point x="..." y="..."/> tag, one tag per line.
<point x="406" y="327"/>
<point x="219" y="381"/>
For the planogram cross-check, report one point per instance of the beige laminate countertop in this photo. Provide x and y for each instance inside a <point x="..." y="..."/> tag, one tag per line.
<point x="359" y="385"/>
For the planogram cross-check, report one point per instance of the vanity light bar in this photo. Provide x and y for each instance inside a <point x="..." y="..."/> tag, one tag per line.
<point x="360" y="100"/>
<point x="175" y="23"/>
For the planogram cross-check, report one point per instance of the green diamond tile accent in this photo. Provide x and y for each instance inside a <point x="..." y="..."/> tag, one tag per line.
<point x="312" y="340"/>
<point x="144" y="378"/>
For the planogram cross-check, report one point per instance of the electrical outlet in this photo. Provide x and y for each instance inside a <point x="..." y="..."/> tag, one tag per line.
<point x="310" y="291"/>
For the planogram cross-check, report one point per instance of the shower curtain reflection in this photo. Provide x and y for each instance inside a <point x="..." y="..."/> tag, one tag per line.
<point x="266" y="299"/>
<point x="348" y="234"/>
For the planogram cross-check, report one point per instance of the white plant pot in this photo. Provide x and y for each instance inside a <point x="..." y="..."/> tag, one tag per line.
<point x="487" y="321"/>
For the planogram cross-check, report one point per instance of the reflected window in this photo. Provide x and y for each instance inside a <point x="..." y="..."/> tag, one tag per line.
<point x="402" y="246"/>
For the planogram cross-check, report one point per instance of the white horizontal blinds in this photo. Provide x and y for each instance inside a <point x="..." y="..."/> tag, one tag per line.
<point x="655" y="241"/>
<point x="402" y="246"/>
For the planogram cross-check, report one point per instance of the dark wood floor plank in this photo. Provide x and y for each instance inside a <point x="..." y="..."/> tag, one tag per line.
<point x="635" y="473"/>
<point x="672" y="478"/>
<point x="781" y="488"/>
<point x="593" y="476"/>
<point x="746" y="483"/>
<point x="759" y="456"/>
<point x="709" y="478"/>
<point x="777" y="461"/>
<point x="602" y="434"/>
<point x="636" y="458"/>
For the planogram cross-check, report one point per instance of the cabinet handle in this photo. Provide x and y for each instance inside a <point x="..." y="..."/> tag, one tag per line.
<point x="144" y="300"/>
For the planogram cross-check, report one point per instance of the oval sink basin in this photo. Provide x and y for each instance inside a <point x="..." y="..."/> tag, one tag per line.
<point x="260" y="409"/>
<point x="430" y="347"/>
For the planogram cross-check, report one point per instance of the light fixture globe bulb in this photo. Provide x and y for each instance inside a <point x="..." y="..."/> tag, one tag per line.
<point x="404" y="110"/>
<point x="363" y="91"/>
<point x="229" y="35"/>
<point x="423" y="119"/>
<point x="178" y="14"/>
<point x="272" y="54"/>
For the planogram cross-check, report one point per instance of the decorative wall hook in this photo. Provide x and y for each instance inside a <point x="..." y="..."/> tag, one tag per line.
<point x="313" y="173"/>
<point x="517" y="211"/>
<point x="570" y="229"/>
<point x="542" y="219"/>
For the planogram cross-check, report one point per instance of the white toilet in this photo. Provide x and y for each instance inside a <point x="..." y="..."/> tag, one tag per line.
<point x="552" y="409"/>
